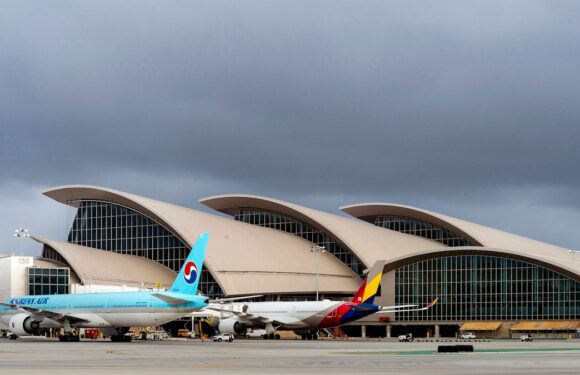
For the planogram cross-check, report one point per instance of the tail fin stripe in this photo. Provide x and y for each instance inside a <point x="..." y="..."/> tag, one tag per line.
<point x="372" y="287"/>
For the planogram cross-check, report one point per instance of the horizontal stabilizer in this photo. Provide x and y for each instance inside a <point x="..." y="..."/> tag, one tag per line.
<point x="173" y="300"/>
<point x="364" y="308"/>
<point x="404" y="308"/>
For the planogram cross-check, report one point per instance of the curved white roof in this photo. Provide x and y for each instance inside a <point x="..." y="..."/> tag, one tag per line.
<point x="487" y="237"/>
<point x="243" y="258"/>
<point x="249" y="259"/>
<point x="93" y="266"/>
<point x="366" y="241"/>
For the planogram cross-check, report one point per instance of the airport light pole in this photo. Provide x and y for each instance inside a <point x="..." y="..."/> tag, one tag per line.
<point x="317" y="249"/>
<point x="21" y="233"/>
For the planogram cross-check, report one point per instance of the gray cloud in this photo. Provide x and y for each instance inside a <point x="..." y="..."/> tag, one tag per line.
<point x="469" y="109"/>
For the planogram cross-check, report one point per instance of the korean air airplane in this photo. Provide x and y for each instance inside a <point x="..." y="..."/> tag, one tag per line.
<point x="308" y="317"/>
<point x="114" y="313"/>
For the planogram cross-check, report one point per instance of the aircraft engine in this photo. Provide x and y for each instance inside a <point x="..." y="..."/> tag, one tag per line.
<point x="23" y="325"/>
<point x="213" y="321"/>
<point x="231" y="325"/>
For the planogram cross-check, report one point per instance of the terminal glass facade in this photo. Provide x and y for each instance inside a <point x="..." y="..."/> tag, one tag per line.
<point x="422" y="229"/>
<point x="289" y="224"/>
<point x="42" y="281"/>
<point x="474" y="287"/>
<point x="112" y="227"/>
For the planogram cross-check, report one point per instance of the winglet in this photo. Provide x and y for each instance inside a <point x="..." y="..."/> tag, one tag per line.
<point x="188" y="278"/>
<point x="433" y="303"/>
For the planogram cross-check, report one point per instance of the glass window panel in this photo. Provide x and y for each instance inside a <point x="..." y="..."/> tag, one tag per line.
<point x="127" y="231"/>
<point x="485" y="287"/>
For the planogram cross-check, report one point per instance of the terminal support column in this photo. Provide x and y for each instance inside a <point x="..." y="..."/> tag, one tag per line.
<point x="389" y="331"/>
<point x="363" y="331"/>
<point x="437" y="333"/>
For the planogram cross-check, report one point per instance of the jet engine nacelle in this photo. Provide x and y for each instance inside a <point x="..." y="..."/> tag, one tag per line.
<point x="23" y="325"/>
<point x="231" y="325"/>
<point x="213" y="321"/>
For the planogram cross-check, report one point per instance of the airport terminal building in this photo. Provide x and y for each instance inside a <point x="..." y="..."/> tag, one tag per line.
<point x="487" y="280"/>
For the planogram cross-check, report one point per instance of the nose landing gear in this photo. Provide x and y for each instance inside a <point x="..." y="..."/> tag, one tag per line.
<point x="271" y="336"/>
<point x="69" y="334"/>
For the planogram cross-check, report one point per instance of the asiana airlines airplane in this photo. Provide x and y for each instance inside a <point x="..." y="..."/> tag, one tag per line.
<point x="115" y="312"/>
<point x="305" y="318"/>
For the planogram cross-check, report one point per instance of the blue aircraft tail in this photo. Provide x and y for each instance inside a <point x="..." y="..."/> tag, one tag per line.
<point x="188" y="278"/>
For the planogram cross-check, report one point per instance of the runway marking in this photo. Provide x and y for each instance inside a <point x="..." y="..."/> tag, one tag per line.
<point x="476" y="351"/>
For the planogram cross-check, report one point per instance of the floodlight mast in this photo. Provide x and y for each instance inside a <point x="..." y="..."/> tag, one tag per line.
<point x="21" y="233"/>
<point x="317" y="249"/>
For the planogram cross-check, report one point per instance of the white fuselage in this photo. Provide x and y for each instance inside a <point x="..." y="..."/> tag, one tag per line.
<point x="288" y="315"/>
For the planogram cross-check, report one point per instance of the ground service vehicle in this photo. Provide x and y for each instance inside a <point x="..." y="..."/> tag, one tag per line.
<point x="468" y="336"/>
<point x="406" y="338"/>
<point x="185" y="333"/>
<point x="223" y="337"/>
<point x="526" y="338"/>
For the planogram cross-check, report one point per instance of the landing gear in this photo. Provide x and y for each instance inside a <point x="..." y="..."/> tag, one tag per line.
<point x="12" y="336"/>
<point x="122" y="335"/>
<point x="310" y="336"/>
<point x="69" y="334"/>
<point x="271" y="336"/>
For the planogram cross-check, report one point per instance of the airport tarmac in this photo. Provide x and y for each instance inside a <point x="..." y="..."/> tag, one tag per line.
<point x="43" y="356"/>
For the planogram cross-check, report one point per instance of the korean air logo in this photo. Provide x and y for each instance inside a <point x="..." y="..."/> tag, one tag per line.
<point x="190" y="272"/>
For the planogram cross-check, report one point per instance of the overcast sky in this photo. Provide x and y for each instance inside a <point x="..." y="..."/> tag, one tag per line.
<point x="466" y="108"/>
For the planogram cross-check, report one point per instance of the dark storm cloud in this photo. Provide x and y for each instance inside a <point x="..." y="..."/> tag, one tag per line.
<point x="456" y="106"/>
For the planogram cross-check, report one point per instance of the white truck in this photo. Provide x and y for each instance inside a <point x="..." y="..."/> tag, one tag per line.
<point x="406" y="338"/>
<point x="223" y="337"/>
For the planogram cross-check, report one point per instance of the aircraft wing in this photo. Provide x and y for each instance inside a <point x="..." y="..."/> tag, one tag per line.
<point x="233" y="312"/>
<point x="222" y="300"/>
<point x="245" y="317"/>
<point x="46" y="313"/>
<point x="402" y="308"/>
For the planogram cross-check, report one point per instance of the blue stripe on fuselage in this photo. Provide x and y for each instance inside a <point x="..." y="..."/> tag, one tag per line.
<point x="103" y="301"/>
